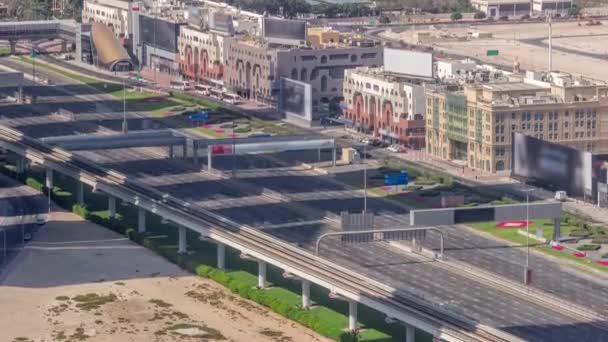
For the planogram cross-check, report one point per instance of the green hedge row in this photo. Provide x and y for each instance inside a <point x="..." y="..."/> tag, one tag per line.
<point x="159" y="239"/>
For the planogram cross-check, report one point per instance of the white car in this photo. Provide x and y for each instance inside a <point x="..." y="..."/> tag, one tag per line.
<point x="394" y="148"/>
<point x="40" y="220"/>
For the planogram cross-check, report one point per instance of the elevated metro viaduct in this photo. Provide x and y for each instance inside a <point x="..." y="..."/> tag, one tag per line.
<point x="109" y="51"/>
<point x="67" y="30"/>
<point x="342" y="283"/>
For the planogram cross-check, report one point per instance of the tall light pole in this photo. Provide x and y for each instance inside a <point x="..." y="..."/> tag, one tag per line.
<point x="550" y="44"/>
<point x="233" y="151"/>
<point x="124" y="108"/>
<point x="527" y="271"/>
<point x="365" y="178"/>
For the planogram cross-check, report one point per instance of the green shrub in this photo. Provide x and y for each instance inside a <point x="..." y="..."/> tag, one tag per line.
<point x="588" y="247"/>
<point x="80" y="210"/>
<point x="33" y="183"/>
<point x="579" y="233"/>
<point x="351" y="336"/>
<point x="479" y="15"/>
<point x="600" y="239"/>
<point x="133" y="235"/>
<point x="242" y="129"/>
<point x="413" y="187"/>
<point x="424" y="181"/>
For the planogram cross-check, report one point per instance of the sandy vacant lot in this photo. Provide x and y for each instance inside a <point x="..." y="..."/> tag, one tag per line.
<point x="509" y="39"/>
<point x="77" y="281"/>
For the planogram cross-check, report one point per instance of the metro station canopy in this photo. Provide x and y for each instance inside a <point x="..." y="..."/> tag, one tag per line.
<point x="110" y="53"/>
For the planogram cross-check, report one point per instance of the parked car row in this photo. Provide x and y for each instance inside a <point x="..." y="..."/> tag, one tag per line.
<point x="396" y="148"/>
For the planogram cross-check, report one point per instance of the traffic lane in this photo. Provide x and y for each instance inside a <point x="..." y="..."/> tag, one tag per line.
<point x="296" y="184"/>
<point x="176" y="176"/>
<point x="270" y="213"/>
<point x="507" y="261"/>
<point x="266" y="160"/>
<point x="261" y="214"/>
<point x="461" y="295"/>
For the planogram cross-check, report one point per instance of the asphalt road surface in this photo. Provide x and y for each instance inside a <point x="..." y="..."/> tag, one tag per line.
<point x="304" y="203"/>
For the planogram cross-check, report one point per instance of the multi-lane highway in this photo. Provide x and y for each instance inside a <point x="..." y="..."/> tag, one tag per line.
<point x="300" y="204"/>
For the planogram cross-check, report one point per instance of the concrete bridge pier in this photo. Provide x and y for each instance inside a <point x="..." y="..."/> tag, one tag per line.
<point x="182" y="238"/>
<point x="262" y="274"/>
<point x="195" y="154"/>
<point x="305" y="294"/>
<point x="19" y="94"/>
<point x="410" y="333"/>
<point x="221" y="256"/>
<point x="141" y="221"/>
<point x="112" y="206"/>
<point x="13" y="45"/>
<point x="333" y="157"/>
<point x="171" y="152"/>
<point x="352" y="315"/>
<point x="80" y="193"/>
<point x="209" y="158"/>
<point x="20" y="165"/>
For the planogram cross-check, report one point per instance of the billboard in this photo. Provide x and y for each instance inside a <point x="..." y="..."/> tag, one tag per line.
<point x="270" y="147"/>
<point x="284" y="31"/>
<point x="222" y="22"/>
<point x="407" y="62"/>
<point x="156" y="32"/>
<point x="295" y="99"/>
<point x="552" y="165"/>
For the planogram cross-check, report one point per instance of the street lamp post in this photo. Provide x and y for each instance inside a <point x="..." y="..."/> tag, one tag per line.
<point x="527" y="271"/>
<point x="233" y="151"/>
<point x="365" y="178"/>
<point x="124" y="108"/>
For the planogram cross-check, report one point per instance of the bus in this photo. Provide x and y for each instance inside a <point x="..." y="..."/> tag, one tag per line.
<point x="215" y="93"/>
<point x="231" y="98"/>
<point x="181" y="85"/>
<point x="202" y="89"/>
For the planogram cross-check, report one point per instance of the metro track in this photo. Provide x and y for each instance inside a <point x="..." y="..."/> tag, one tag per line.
<point x="254" y="240"/>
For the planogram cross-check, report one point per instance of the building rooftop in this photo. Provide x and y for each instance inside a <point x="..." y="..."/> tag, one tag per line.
<point x="512" y="86"/>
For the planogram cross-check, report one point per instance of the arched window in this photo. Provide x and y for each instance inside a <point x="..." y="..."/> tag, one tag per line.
<point x="323" y="59"/>
<point x="500" y="165"/>
<point x="323" y="83"/>
<point x="304" y="74"/>
<point x="294" y="74"/>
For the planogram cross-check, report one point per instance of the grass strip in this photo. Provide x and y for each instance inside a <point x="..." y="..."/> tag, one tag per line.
<point x="327" y="317"/>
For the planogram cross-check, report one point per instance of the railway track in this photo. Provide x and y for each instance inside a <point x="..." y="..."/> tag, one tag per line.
<point x="457" y="328"/>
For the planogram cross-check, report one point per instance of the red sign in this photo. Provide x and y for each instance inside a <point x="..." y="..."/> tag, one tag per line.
<point x="135" y="9"/>
<point x="221" y="149"/>
<point x="513" y="224"/>
<point x="580" y="254"/>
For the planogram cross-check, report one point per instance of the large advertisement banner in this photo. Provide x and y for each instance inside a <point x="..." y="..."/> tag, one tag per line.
<point x="296" y="99"/>
<point x="552" y="165"/>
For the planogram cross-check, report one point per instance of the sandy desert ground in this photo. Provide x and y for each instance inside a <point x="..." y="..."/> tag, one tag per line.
<point x="80" y="282"/>
<point x="514" y="43"/>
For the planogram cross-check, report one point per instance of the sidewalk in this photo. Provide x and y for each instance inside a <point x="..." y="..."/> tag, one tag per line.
<point x="499" y="183"/>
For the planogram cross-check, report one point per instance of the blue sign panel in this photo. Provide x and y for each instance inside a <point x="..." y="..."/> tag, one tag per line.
<point x="199" y="116"/>
<point x="397" y="178"/>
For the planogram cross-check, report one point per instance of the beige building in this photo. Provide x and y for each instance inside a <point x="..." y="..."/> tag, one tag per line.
<point x="475" y="124"/>
<point x="112" y="13"/>
<point x="253" y="69"/>
<point x="390" y="107"/>
<point x="200" y="53"/>
<point x="321" y="36"/>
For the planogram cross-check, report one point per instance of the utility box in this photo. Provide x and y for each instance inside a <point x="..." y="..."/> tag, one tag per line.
<point x="350" y="155"/>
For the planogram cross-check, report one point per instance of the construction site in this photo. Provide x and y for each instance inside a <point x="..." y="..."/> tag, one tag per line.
<point x="578" y="46"/>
